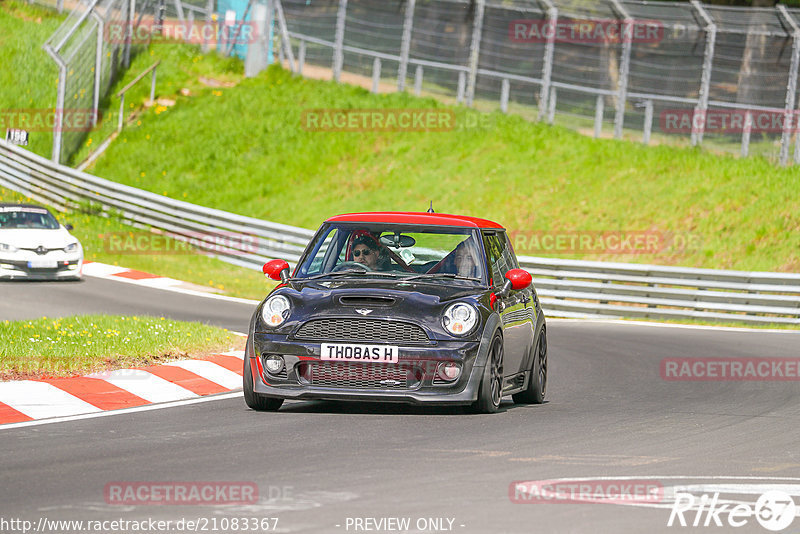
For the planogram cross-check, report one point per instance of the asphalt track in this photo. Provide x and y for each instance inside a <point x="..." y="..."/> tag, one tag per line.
<point x="317" y="464"/>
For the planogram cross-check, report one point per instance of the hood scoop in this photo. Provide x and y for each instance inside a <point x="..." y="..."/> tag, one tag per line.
<point x="366" y="300"/>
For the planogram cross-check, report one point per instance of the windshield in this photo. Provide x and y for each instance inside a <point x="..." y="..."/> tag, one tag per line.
<point x="33" y="218"/>
<point x="392" y="250"/>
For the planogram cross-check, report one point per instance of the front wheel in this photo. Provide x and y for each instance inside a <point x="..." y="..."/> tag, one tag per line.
<point x="491" y="389"/>
<point x="537" y="384"/>
<point x="254" y="401"/>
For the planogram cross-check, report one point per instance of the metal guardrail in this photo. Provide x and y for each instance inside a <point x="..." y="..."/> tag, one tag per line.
<point x="568" y="288"/>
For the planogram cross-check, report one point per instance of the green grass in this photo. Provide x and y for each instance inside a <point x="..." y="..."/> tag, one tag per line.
<point x="94" y="233"/>
<point x="28" y="76"/>
<point x="242" y="149"/>
<point x="89" y="343"/>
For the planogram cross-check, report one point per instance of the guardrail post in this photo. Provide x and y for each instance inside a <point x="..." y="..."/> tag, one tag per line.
<point x="338" y="50"/>
<point x="624" y="68"/>
<point x="475" y="50"/>
<point x="504" y="90"/>
<point x="648" y="121"/>
<point x="418" y="81"/>
<point x="376" y="74"/>
<point x="405" y="45"/>
<point x="547" y="65"/>
<point x="301" y="58"/>
<point x="789" y="115"/>
<point x="748" y="124"/>
<point x="705" y="78"/>
<point x="598" y="115"/>
<point x="551" y="109"/>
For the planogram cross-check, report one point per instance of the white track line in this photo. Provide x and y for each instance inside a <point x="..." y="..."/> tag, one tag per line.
<point x="39" y="399"/>
<point x="671" y="325"/>
<point x="123" y="411"/>
<point x="210" y="371"/>
<point x="147" y="386"/>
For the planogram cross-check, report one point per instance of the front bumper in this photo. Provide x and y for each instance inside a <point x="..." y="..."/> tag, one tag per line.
<point x="363" y="382"/>
<point x="27" y="267"/>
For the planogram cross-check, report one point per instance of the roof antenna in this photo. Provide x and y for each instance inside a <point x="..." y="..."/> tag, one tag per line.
<point x="430" y="210"/>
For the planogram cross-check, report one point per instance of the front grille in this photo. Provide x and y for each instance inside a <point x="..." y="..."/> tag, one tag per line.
<point x="362" y="330"/>
<point x="359" y="376"/>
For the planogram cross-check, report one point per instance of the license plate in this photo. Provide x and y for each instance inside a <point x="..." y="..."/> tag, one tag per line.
<point x="42" y="264"/>
<point x="350" y="352"/>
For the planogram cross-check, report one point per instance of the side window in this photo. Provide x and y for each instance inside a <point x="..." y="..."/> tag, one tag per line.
<point x="494" y="253"/>
<point x="509" y="258"/>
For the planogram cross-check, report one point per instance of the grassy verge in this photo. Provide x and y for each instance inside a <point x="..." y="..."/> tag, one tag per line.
<point x="89" y="343"/>
<point x="28" y="76"/>
<point x="93" y="231"/>
<point x="243" y="149"/>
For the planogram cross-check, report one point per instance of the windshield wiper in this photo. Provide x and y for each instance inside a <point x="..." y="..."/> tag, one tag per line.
<point x="345" y="272"/>
<point x="440" y="276"/>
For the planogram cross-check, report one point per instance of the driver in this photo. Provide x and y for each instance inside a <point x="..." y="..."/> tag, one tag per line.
<point x="366" y="252"/>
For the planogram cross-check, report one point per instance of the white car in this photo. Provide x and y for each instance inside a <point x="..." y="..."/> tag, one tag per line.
<point x="34" y="246"/>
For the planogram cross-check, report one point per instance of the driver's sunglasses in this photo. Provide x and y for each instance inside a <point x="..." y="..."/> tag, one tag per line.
<point x="357" y="253"/>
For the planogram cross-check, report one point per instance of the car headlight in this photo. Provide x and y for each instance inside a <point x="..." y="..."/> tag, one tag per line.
<point x="8" y="248"/>
<point x="460" y="318"/>
<point x="73" y="247"/>
<point x="275" y="310"/>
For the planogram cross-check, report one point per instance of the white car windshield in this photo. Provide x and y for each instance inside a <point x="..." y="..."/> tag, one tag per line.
<point x="31" y="218"/>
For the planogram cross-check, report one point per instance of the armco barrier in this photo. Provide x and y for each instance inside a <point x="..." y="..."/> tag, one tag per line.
<point x="568" y="288"/>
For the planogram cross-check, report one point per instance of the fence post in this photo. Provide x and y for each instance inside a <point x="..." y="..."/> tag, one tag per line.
<point x="98" y="66"/>
<point x="338" y="50"/>
<point x="405" y="45"/>
<point x="475" y="50"/>
<point x="209" y="11"/>
<point x="648" y="121"/>
<point x="301" y="59"/>
<point x="551" y="107"/>
<point x="60" y="97"/>
<point x="624" y="68"/>
<point x="376" y="74"/>
<point x="598" y="116"/>
<point x="705" y="78"/>
<point x="748" y="124"/>
<point x="418" y="80"/>
<point x="504" y="90"/>
<point x="129" y="18"/>
<point x="283" y="28"/>
<point x="549" y="49"/>
<point x="789" y="116"/>
<point x="462" y="87"/>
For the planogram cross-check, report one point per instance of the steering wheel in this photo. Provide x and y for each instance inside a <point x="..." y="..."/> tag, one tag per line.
<point x="349" y="264"/>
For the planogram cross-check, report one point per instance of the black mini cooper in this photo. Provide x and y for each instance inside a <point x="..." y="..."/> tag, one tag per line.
<point x="419" y="308"/>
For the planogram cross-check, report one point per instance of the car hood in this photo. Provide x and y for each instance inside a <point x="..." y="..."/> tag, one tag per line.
<point x="429" y="293"/>
<point x="32" y="238"/>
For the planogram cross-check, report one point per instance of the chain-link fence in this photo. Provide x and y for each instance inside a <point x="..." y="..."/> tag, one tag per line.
<point x="686" y="73"/>
<point x="88" y="48"/>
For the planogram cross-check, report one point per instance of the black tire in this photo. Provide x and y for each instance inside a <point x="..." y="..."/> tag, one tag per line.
<point x="254" y="401"/>
<point x="490" y="392"/>
<point x="537" y="384"/>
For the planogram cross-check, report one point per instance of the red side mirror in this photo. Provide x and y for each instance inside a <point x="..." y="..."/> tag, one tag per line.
<point x="275" y="268"/>
<point x="519" y="278"/>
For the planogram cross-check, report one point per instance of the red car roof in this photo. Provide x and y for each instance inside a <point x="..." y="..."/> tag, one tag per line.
<point x="434" y="219"/>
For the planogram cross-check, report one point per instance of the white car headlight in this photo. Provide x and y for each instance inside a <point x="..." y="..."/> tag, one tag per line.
<point x="275" y="310"/>
<point x="460" y="318"/>
<point x="73" y="247"/>
<point x="8" y="248"/>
